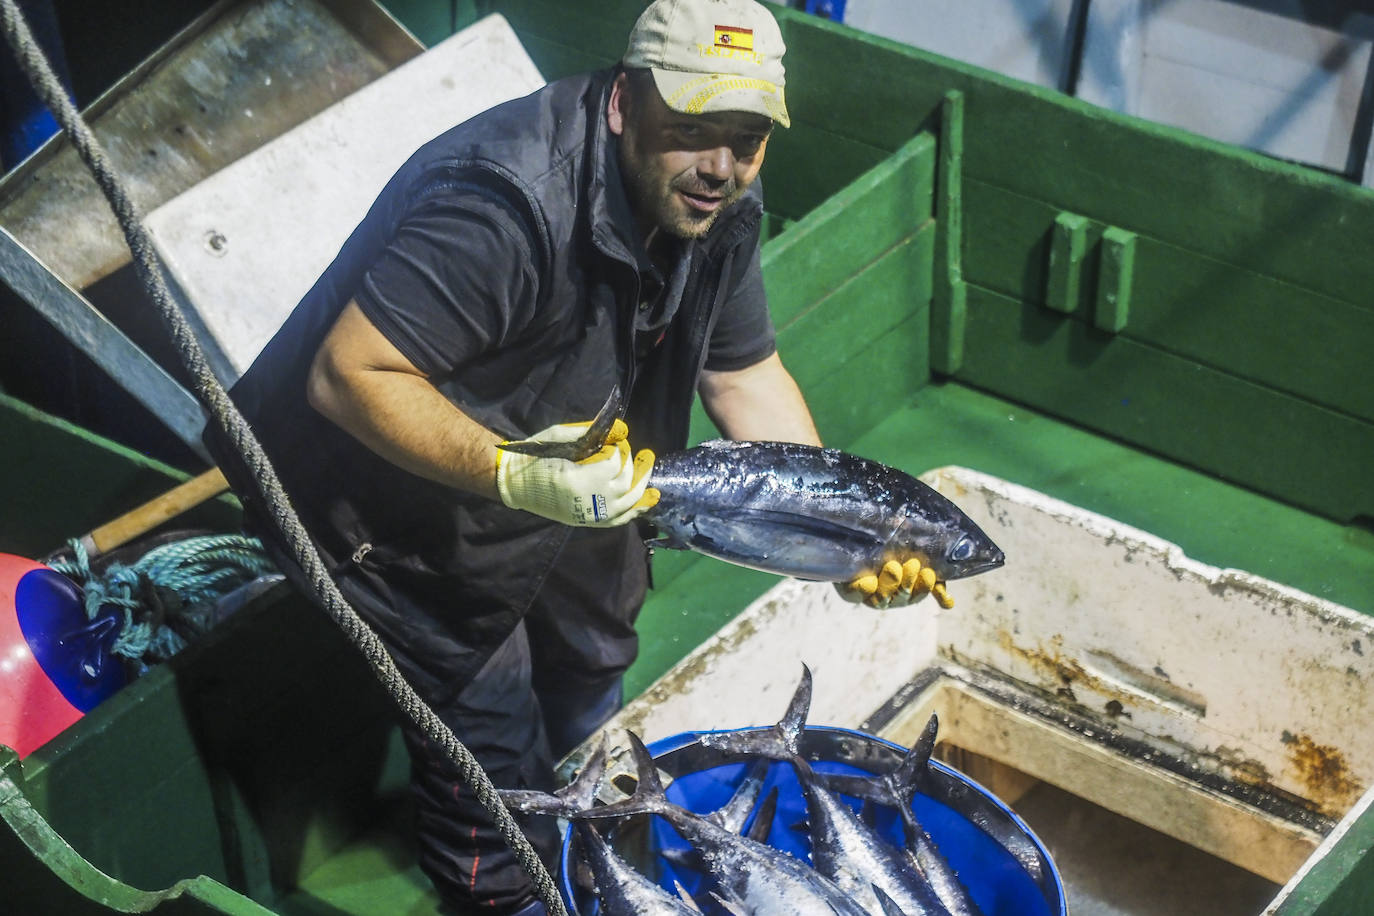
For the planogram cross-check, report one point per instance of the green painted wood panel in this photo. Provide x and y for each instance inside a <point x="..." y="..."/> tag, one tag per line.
<point x="1220" y="315"/>
<point x="1281" y="220"/>
<point x="596" y="32"/>
<point x="1341" y="883"/>
<point x="1240" y="431"/>
<point x="1213" y="521"/>
<point x="1262" y="259"/>
<point x="43" y="874"/>
<point x="1290" y="223"/>
<point x="796" y="180"/>
<point x="849" y="231"/>
<point x="245" y="759"/>
<point x="868" y="88"/>
<point x="558" y="58"/>
<point x="58" y="481"/>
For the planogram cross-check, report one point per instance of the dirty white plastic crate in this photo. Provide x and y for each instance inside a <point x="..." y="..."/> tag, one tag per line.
<point x="1214" y="706"/>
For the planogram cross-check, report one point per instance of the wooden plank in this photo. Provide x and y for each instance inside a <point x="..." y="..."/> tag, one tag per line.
<point x="1242" y="432"/>
<point x="1217" y="314"/>
<point x="1266" y="845"/>
<point x="864" y="310"/>
<point x="849" y="231"/>
<point x="797" y="178"/>
<point x="1068" y="249"/>
<point x="1339" y="877"/>
<point x="1115" y="280"/>
<point x="1277" y="220"/>
<point x="849" y="402"/>
<point x="857" y="85"/>
<point x="949" y="312"/>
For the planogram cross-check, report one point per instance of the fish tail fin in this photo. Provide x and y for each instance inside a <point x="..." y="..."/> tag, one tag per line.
<point x="577" y="796"/>
<point x="897" y="788"/>
<point x="648" y="797"/>
<point x="729" y="903"/>
<point x="910" y="774"/>
<point x="687" y="899"/>
<point x="779" y="742"/>
<point x="763" y="820"/>
<point x="876" y="789"/>
<point x="732" y="815"/>
<point x="585" y="446"/>
<point x="581" y="792"/>
<point x="793" y="722"/>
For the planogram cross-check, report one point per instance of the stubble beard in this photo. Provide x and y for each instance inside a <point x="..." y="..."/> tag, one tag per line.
<point x="657" y="200"/>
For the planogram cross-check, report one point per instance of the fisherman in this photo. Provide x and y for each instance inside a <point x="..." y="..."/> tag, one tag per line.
<point x="601" y="232"/>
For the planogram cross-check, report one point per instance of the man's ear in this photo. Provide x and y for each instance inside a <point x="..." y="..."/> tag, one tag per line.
<point x="617" y="109"/>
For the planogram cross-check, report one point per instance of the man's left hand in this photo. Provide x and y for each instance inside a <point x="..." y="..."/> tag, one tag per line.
<point x="895" y="585"/>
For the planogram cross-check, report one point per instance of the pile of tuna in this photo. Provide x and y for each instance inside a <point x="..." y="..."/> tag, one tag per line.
<point x="855" y="869"/>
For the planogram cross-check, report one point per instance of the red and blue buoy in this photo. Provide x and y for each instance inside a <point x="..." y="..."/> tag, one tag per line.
<point x="55" y="661"/>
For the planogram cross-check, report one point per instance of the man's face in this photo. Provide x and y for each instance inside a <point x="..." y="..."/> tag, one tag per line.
<point x="682" y="171"/>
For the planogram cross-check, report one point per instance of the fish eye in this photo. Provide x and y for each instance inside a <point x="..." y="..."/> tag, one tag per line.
<point x="962" y="550"/>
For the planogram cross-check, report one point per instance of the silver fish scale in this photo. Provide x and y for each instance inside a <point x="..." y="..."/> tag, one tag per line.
<point x="767" y="880"/>
<point x="623" y="891"/>
<point x="851" y="854"/>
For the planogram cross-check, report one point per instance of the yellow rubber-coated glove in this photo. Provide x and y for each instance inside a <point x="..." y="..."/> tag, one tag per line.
<point x="609" y="488"/>
<point x="895" y="585"/>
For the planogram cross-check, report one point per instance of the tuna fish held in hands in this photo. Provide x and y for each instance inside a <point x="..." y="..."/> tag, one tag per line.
<point x="796" y="510"/>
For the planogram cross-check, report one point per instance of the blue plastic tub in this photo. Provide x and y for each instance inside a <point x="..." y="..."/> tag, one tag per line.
<point x="1005" y="867"/>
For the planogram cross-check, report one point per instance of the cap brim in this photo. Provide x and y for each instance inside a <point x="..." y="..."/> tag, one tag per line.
<point x="703" y="93"/>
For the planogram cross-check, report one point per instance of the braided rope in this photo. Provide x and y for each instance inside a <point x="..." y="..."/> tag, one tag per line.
<point x="197" y="569"/>
<point x="238" y="432"/>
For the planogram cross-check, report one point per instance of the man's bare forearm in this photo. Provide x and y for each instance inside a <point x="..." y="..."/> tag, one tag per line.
<point x="761" y="402"/>
<point x="362" y="383"/>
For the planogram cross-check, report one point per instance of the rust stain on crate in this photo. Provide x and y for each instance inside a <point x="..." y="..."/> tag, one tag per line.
<point x="1063" y="672"/>
<point x="1324" y="771"/>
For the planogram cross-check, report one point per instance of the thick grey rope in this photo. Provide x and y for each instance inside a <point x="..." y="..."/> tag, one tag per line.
<point x="226" y="415"/>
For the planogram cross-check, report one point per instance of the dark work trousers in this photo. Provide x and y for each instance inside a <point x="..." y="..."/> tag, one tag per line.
<point x="553" y="682"/>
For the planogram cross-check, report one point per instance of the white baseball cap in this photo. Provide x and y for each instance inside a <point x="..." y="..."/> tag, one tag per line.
<point x="712" y="55"/>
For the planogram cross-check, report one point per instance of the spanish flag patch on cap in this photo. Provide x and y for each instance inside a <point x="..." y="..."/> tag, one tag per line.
<point x="730" y="36"/>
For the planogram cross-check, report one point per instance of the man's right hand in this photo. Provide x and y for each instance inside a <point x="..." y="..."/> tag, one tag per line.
<point x="609" y="488"/>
